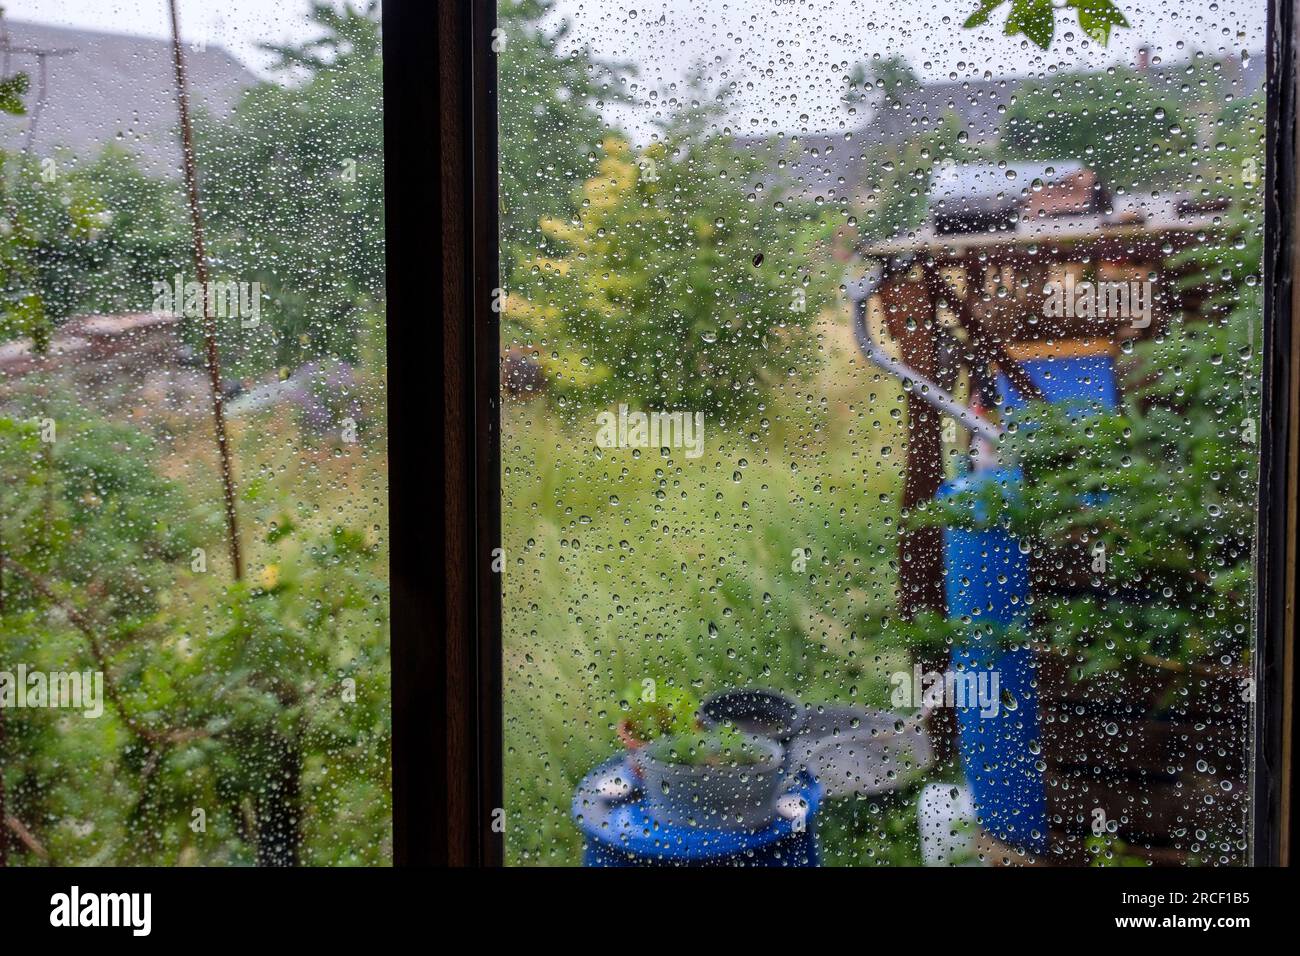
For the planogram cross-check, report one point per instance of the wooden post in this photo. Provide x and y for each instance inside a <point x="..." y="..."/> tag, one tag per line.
<point x="910" y="320"/>
<point x="209" y="316"/>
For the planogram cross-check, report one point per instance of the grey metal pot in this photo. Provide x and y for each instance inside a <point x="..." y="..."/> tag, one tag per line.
<point x="754" y="710"/>
<point x="720" y="797"/>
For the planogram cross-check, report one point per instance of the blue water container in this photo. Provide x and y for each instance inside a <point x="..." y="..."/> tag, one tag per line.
<point x="617" y="830"/>
<point x="1086" y="381"/>
<point x="987" y="580"/>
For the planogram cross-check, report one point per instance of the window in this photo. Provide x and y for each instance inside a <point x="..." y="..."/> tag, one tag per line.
<point x="194" y="651"/>
<point x="880" y="432"/>
<point x="865" y="433"/>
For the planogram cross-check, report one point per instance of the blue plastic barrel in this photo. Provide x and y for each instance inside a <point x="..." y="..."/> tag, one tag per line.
<point x="617" y="830"/>
<point x="987" y="580"/>
<point x="1087" y="381"/>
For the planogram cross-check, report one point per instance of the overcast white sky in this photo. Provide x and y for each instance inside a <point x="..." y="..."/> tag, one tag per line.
<point x="785" y="57"/>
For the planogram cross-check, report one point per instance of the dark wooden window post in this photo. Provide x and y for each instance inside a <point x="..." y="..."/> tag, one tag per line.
<point x="444" y="455"/>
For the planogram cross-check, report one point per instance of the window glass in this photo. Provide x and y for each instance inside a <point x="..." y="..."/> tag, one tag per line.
<point x="880" y="430"/>
<point x="193" y="543"/>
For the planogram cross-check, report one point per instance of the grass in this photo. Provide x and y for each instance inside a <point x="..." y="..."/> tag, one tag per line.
<point x="769" y="560"/>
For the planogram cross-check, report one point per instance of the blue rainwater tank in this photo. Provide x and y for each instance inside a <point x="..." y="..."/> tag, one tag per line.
<point x="987" y="581"/>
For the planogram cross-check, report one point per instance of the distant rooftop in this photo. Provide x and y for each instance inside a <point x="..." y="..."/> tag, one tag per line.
<point x="973" y="182"/>
<point x="972" y="197"/>
<point x="103" y="88"/>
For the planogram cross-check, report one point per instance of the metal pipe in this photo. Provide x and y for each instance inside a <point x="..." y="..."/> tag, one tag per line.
<point x="929" y="391"/>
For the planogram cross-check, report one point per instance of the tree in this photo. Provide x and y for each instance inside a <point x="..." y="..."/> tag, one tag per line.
<point x="1116" y="121"/>
<point x="1165" y="491"/>
<point x="92" y="237"/>
<point x="293" y="187"/>
<point x="549" y="124"/>
<point x="894" y="76"/>
<point x="228" y="698"/>
<point x="686" y="280"/>
<point x="1036" y="19"/>
<point x="896" y="186"/>
<point x="90" y="534"/>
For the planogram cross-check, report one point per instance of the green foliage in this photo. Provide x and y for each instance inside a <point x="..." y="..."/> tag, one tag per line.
<point x="876" y="831"/>
<point x="212" y="703"/>
<point x="299" y="166"/>
<point x="897" y="179"/>
<point x="265" y="674"/>
<point x="1230" y="258"/>
<point x="724" y="746"/>
<point x="263" y="702"/>
<point x="891" y="78"/>
<point x="1118" y="122"/>
<point x="929" y="635"/>
<point x="12" y="90"/>
<point x="1163" y="490"/>
<point x="295" y="178"/>
<point x="79" y="237"/>
<point x="1110" y="851"/>
<point x="549" y="126"/>
<point x="894" y="75"/>
<point x="88" y="509"/>
<point x="94" y="237"/>
<point x="1036" y="19"/>
<point x="682" y="284"/>
<point x="673" y="711"/>
<point x="89" y="533"/>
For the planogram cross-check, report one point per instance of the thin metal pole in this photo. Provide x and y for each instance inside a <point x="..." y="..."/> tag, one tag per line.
<point x="209" y="319"/>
